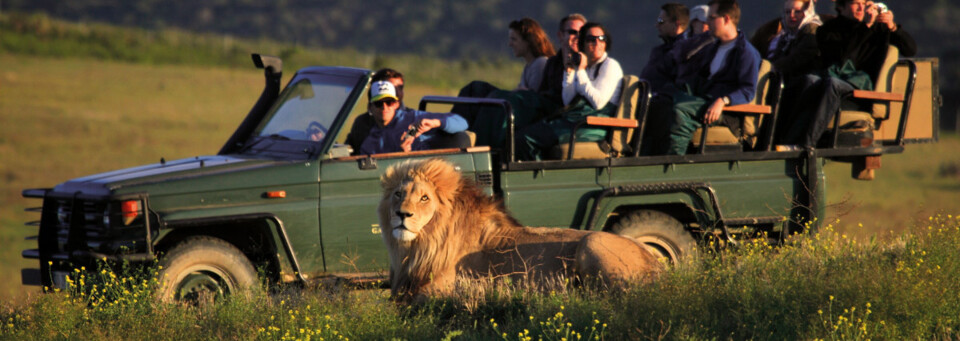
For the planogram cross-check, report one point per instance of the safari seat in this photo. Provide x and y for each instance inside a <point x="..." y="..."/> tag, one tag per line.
<point x="620" y="128"/>
<point x="721" y="138"/>
<point x="857" y="125"/>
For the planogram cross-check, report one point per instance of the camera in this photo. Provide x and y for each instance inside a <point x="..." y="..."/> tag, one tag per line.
<point x="412" y="131"/>
<point x="882" y="7"/>
<point x="575" y="60"/>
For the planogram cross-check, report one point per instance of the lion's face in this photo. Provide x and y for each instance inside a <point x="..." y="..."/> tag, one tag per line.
<point x="413" y="204"/>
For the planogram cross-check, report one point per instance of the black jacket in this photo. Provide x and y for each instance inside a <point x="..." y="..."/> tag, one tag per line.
<point x="842" y="38"/>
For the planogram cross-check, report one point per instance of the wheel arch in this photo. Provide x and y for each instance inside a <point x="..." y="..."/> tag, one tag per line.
<point x="680" y="211"/>
<point x="253" y="235"/>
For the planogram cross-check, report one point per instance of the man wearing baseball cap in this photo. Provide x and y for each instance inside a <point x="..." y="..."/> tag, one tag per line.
<point x="698" y="19"/>
<point x="404" y="129"/>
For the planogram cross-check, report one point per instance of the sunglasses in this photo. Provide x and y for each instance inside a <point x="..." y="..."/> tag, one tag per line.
<point x="594" y="39"/>
<point x="387" y="102"/>
<point x="660" y="21"/>
<point x="573" y="32"/>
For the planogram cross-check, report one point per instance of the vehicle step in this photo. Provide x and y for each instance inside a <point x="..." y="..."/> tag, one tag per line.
<point x="31" y="254"/>
<point x="32" y="223"/>
<point x="30" y="276"/>
<point x="33" y="209"/>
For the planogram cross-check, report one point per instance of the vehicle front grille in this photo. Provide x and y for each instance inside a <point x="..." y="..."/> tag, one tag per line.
<point x="77" y="230"/>
<point x="90" y="225"/>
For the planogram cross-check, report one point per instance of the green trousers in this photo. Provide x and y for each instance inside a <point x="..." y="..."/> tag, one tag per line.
<point x="688" y="113"/>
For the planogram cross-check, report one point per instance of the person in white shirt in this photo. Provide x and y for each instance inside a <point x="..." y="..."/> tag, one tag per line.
<point x="591" y="87"/>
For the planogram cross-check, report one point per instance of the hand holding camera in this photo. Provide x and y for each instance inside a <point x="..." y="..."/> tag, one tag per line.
<point x="885" y="16"/>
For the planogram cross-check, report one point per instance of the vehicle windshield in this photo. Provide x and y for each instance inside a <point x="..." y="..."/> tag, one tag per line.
<point x="307" y="108"/>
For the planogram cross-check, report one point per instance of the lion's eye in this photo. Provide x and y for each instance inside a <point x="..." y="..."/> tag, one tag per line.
<point x="424" y="198"/>
<point x="396" y="194"/>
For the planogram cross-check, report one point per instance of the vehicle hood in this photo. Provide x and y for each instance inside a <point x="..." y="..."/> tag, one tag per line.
<point x="185" y="175"/>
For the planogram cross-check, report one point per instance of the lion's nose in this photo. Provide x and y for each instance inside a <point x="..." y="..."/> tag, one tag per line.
<point x="403" y="214"/>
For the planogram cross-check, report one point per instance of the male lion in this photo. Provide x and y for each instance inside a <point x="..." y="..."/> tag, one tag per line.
<point x="437" y="225"/>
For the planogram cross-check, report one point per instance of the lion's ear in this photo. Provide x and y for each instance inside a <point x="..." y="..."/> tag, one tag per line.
<point x="444" y="176"/>
<point x="394" y="175"/>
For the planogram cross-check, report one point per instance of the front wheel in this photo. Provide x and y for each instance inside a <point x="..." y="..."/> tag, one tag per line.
<point x="204" y="268"/>
<point x="662" y="234"/>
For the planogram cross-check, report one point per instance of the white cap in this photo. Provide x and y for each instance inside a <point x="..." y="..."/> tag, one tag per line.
<point x="699" y="12"/>
<point x="382" y="89"/>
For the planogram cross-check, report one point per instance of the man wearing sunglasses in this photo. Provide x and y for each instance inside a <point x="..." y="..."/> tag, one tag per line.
<point x="671" y="26"/>
<point x="567" y="37"/>
<point x="398" y="128"/>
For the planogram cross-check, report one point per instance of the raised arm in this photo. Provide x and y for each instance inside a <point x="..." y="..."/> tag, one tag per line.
<point x="600" y="90"/>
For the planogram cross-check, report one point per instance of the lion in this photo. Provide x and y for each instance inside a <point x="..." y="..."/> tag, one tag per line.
<point x="438" y="226"/>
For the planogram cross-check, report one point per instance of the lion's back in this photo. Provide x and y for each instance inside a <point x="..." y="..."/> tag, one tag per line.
<point x="615" y="259"/>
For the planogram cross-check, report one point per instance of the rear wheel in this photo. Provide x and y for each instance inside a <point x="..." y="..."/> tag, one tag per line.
<point x="662" y="234"/>
<point x="201" y="268"/>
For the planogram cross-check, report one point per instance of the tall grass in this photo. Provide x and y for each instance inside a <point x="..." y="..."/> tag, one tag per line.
<point x="823" y="286"/>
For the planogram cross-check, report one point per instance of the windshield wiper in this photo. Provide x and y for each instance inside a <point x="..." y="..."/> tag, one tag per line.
<point x="257" y="140"/>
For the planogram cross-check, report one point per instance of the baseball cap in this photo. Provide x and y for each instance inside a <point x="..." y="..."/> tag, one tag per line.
<point x="382" y="89"/>
<point x="699" y="12"/>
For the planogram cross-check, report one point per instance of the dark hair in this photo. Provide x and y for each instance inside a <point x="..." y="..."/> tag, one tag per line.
<point x="385" y="74"/>
<point x="839" y="5"/>
<point x="571" y="16"/>
<point x="530" y="31"/>
<point x="582" y="39"/>
<point x="676" y="12"/>
<point x="729" y="8"/>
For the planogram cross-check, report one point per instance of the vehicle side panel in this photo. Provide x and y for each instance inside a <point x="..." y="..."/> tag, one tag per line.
<point x="348" y="211"/>
<point x="552" y="197"/>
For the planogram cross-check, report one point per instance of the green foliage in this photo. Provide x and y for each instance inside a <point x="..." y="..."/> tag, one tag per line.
<point x="41" y="35"/>
<point x="824" y="286"/>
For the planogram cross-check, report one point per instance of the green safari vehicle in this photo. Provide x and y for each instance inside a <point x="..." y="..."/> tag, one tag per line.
<point x="273" y="205"/>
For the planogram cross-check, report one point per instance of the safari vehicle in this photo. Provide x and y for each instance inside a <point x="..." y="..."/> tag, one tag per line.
<point x="274" y="203"/>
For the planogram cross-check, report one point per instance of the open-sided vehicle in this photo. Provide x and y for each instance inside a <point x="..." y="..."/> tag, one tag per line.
<point x="300" y="210"/>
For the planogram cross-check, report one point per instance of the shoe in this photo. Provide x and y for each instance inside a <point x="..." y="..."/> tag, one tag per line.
<point x="788" y="147"/>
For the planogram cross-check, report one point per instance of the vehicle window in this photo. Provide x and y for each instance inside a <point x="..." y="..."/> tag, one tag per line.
<point x="305" y="110"/>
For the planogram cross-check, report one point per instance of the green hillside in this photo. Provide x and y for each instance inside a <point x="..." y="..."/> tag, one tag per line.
<point x="41" y="35"/>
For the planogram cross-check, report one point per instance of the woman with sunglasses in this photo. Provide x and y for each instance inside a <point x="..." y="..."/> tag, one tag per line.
<point x="591" y="87"/>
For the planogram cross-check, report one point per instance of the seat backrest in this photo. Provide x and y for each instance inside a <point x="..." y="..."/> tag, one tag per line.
<point x="751" y="122"/>
<point x="884" y="81"/>
<point x="629" y="94"/>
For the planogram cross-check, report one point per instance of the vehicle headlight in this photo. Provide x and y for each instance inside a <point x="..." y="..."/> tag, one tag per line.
<point x="106" y="216"/>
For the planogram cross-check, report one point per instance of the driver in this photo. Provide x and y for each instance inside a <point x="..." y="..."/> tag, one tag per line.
<point x="316" y="131"/>
<point x="405" y="129"/>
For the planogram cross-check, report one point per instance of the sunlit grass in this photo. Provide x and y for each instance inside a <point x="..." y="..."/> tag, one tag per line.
<point x="825" y="286"/>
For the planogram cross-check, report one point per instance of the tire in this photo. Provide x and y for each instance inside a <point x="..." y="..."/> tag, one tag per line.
<point x="662" y="234"/>
<point x="202" y="268"/>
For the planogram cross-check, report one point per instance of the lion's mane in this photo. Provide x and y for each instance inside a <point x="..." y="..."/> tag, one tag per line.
<point x="471" y="234"/>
